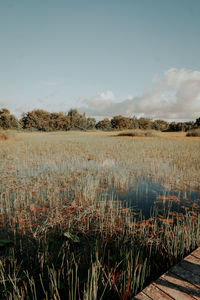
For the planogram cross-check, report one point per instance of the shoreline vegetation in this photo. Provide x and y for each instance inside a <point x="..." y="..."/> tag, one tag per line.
<point x="64" y="235"/>
<point x="40" y="120"/>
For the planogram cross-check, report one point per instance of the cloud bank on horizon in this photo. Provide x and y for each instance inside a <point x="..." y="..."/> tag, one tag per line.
<point x="176" y="96"/>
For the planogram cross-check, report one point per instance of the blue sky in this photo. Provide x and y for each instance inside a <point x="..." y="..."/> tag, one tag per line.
<point x="100" y="56"/>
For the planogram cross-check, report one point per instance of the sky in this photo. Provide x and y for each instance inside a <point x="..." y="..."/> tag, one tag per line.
<point x="108" y="57"/>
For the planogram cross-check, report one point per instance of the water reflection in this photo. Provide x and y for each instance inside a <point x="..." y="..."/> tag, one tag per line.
<point x="146" y="198"/>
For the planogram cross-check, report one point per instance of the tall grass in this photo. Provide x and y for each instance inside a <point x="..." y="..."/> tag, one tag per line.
<point x="63" y="236"/>
<point x="3" y="135"/>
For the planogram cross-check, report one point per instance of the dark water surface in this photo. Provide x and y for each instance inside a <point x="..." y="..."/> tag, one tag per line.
<point x="146" y="198"/>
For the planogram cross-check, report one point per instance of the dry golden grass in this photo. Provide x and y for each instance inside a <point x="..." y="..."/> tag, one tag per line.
<point x="8" y="136"/>
<point x="180" y="135"/>
<point x="3" y="135"/>
<point x="98" y="147"/>
<point x="168" y="135"/>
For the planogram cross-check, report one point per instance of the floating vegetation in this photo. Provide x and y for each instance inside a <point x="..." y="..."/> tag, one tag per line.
<point x="94" y="217"/>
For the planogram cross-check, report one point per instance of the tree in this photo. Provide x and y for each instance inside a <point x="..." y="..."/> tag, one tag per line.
<point x="189" y="125"/>
<point x="91" y="123"/>
<point x="104" y="124"/>
<point x="197" y="123"/>
<point x="145" y="123"/>
<point x="160" y="125"/>
<point x="7" y="120"/>
<point x="38" y="119"/>
<point x="120" y="122"/>
<point x="135" y="123"/>
<point x="77" y="120"/>
<point x="59" y="121"/>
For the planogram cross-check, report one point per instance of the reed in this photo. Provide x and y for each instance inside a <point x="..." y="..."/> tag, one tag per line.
<point x="63" y="233"/>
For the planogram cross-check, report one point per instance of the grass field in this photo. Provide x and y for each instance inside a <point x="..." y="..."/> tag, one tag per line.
<point x="63" y="235"/>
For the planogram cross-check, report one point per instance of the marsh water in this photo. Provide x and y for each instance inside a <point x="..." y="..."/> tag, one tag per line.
<point x="147" y="198"/>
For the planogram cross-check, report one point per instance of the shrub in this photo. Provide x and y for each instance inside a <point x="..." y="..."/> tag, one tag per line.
<point x="139" y="133"/>
<point x="197" y="123"/>
<point x="145" y="123"/>
<point x="7" y="120"/>
<point x="194" y="132"/>
<point x="37" y="118"/>
<point x="91" y="123"/>
<point x="44" y="121"/>
<point x="104" y="124"/>
<point x="120" y="122"/>
<point x="160" y="125"/>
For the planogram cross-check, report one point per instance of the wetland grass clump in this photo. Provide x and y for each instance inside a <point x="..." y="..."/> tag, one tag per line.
<point x="64" y="236"/>
<point x="139" y="133"/>
<point x="194" y="132"/>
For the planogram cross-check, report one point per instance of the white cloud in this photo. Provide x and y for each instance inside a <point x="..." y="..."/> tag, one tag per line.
<point x="103" y="100"/>
<point x="174" y="97"/>
<point x="176" y="78"/>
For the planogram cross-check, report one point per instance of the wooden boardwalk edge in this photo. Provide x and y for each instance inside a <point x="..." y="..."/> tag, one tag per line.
<point x="181" y="282"/>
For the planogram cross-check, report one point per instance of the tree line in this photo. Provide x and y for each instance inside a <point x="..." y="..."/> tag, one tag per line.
<point x="45" y="121"/>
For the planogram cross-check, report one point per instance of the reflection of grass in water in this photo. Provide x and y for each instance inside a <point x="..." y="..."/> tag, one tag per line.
<point x="170" y="198"/>
<point x="69" y="241"/>
<point x="145" y="196"/>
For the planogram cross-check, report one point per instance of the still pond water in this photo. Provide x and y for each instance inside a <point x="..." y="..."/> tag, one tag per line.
<point x="147" y="198"/>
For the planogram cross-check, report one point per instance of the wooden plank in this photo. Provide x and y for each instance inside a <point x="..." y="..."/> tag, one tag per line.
<point x="192" y="264"/>
<point x="156" y="293"/>
<point x="182" y="282"/>
<point x="142" y="296"/>
<point x="196" y="253"/>
<point x="177" y="288"/>
<point x="186" y="274"/>
<point x="193" y="258"/>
